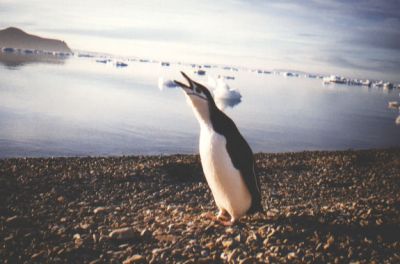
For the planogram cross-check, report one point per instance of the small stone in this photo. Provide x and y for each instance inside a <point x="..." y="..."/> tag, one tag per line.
<point x="10" y="237"/>
<point x="126" y="233"/>
<point x="61" y="199"/>
<point x="229" y="230"/>
<point x="84" y="226"/>
<point x="238" y="238"/>
<point x="99" y="209"/>
<point x="248" y="260"/>
<point x="12" y="219"/>
<point x="134" y="259"/>
<point x="189" y="261"/>
<point x="231" y="256"/>
<point x="227" y="243"/>
<point x="38" y="255"/>
<point x="77" y="239"/>
<point x="291" y="256"/>
<point x="329" y="242"/>
<point x="210" y="245"/>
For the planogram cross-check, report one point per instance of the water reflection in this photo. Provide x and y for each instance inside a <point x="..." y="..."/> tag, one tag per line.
<point x="17" y="59"/>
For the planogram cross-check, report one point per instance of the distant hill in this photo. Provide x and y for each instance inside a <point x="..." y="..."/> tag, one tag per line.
<point x="16" y="38"/>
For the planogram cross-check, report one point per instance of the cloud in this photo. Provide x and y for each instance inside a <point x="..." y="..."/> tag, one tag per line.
<point x="346" y="34"/>
<point x="151" y="34"/>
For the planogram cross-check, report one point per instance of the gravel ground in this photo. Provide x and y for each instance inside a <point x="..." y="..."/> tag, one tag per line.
<point x="335" y="207"/>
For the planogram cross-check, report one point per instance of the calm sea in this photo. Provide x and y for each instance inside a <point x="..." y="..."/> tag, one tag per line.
<point x="79" y="107"/>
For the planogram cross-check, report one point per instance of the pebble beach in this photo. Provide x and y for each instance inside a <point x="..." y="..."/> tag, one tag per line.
<point x="320" y="207"/>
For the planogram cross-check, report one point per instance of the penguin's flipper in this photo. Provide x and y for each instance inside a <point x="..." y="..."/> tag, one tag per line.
<point x="247" y="171"/>
<point x="243" y="160"/>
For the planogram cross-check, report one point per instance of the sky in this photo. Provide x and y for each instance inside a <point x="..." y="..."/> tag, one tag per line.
<point x="353" y="38"/>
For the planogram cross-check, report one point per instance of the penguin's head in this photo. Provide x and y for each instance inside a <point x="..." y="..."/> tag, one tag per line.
<point x="197" y="94"/>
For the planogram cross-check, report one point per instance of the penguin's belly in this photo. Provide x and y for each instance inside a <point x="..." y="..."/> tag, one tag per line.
<point x="225" y="181"/>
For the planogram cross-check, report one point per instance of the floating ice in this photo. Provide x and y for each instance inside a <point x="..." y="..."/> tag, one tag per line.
<point x="121" y="64"/>
<point x="8" y="50"/>
<point x="84" y="55"/>
<point x="393" y="104"/>
<point x="388" y="86"/>
<point x="398" y="120"/>
<point x="102" y="61"/>
<point x="334" y="79"/>
<point x="223" y="91"/>
<point x="224" y="95"/>
<point x="166" y="83"/>
<point x="200" y="72"/>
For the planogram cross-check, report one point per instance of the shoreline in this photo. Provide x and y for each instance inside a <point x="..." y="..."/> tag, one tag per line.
<point x="320" y="206"/>
<point x="157" y="155"/>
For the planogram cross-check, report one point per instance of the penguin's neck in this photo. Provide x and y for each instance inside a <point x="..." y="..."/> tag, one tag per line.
<point x="202" y="111"/>
<point x="203" y="115"/>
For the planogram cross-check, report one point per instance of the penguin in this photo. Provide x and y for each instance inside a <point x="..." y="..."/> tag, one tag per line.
<point x="226" y="157"/>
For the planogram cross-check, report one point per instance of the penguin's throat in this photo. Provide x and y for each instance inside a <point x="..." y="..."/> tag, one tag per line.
<point x="202" y="113"/>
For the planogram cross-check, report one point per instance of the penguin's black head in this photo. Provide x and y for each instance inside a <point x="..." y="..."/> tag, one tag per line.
<point x="195" y="90"/>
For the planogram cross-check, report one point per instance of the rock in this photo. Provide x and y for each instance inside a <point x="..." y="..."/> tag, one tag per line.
<point x="135" y="259"/>
<point x="127" y="233"/>
<point x="38" y="255"/>
<point x="329" y="242"/>
<point x="96" y="261"/>
<point x="99" y="210"/>
<point x="231" y="256"/>
<point x="84" y="226"/>
<point x="60" y="199"/>
<point x="77" y="240"/>
<point x="12" y="219"/>
<point x="18" y="221"/>
<point x="10" y="237"/>
<point x="291" y="256"/>
<point x="227" y="243"/>
<point x="248" y="260"/>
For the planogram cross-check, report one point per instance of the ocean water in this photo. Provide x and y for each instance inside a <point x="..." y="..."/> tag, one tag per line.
<point x="79" y="107"/>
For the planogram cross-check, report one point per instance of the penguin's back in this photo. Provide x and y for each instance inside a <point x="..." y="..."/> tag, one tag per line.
<point x="226" y="183"/>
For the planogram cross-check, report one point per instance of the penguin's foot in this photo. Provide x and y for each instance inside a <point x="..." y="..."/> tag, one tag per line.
<point x="225" y="222"/>
<point x="223" y="215"/>
<point x="230" y="222"/>
<point x="209" y="215"/>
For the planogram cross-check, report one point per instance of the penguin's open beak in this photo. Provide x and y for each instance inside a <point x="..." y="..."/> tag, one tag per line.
<point x="187" y="88"/>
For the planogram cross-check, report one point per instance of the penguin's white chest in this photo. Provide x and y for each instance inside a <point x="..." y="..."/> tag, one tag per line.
<point x="225" y="181"/>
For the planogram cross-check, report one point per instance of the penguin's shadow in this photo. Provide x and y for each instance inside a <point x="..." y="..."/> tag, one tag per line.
<point x="175" y="172"/>
<point x="308" y="225"/>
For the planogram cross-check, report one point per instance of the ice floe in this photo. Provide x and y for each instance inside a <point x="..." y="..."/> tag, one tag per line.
<point x="166" y="83"/>
<point x="121" y="64"/>
<point x="393" y="104"/>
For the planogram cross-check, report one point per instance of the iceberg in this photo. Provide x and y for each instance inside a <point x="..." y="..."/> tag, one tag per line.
<point x="224" y="96"/>
<point x="121" y="64"/>
<point x="393" y="104"/>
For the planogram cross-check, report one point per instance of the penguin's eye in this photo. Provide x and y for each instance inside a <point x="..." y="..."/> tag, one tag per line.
<point x="198" y="90"/>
